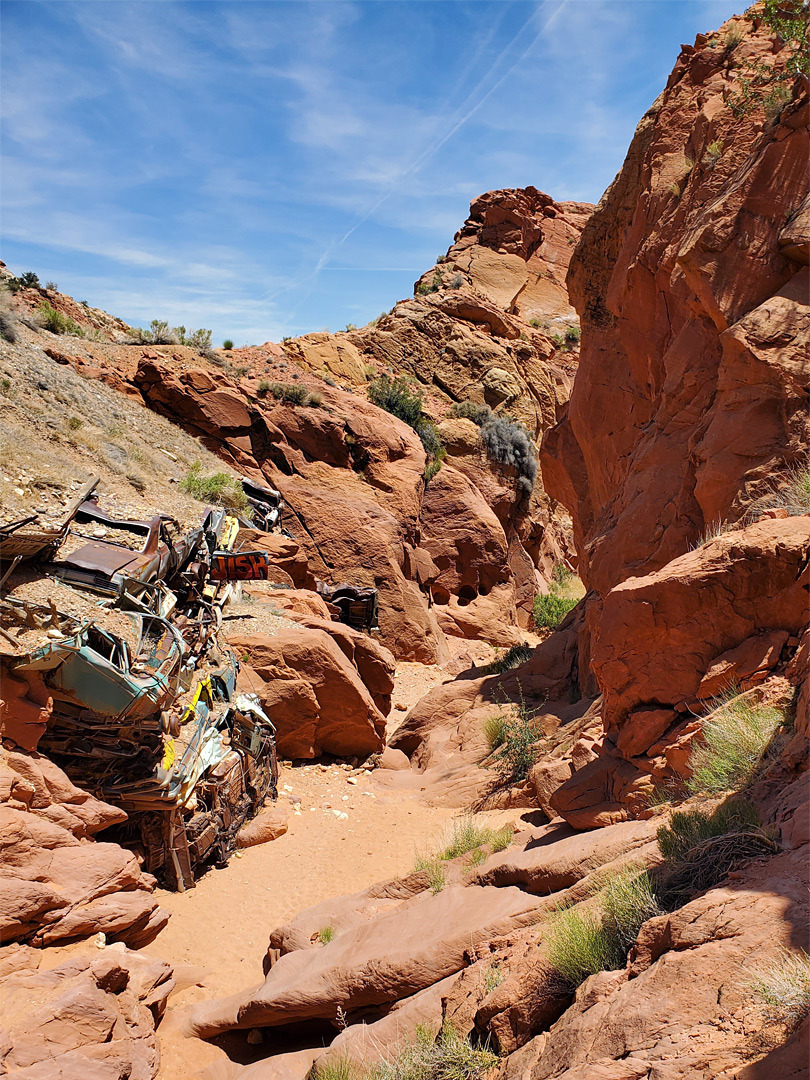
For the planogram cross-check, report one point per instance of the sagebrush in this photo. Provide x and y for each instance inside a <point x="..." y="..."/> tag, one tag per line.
<point x="218" y="489"/>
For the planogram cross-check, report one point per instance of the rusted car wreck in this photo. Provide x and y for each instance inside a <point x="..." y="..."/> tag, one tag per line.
<point x="145" y="715"/>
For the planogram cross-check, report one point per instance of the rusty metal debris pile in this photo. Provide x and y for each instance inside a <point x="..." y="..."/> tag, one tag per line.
<point x="150" y="720"/>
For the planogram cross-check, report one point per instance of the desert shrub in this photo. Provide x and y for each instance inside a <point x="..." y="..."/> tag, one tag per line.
<point x="578" y="945"/>
<point x="783" y="987"/>
<point x="287" y="392"/>
<point x="314" y="399"/>
<point x="788" y="19"/>
<point x="549" y="609"/>
<point x="712" y="155"/>
<point x="457" y="281"/>
<point x="699" y="849"/>
<point x="398" y="397"/>
<point x="501" y="838"/>
<point x="791" y="493"/>
<point x="337" y="1069"/>
<point x="351" y="326"/>
<point x="735" y="738"/>
<point x="430" y="438"/>
<point x="493" y="978"/>
<point x="467" y="835"/>
<point x="627" y="900"/>
<point x="199" y="340"/>
<point x="28" y="280"/>
<point x="509" y="444"/>
<point x="425" y="287"/>
<point x="447" y="1057"/>
<point x="401" y="398"/>
<point x="56" y="321"/>
<point x="436" y="875"/>
<point x="74" y="422"/>
<point x="512" y="658"/>
<point x="326" y="934"/>
<point x="471" y="410"/>
<point x="517" y="750"/>
<point x="51" y="286"/>
<point x="572" y="335"/>
<point x="227" y="344"/>
<point x="218" y="489"/>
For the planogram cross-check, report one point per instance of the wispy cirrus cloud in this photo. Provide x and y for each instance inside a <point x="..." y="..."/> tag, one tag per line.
<point x="269" y="167"/>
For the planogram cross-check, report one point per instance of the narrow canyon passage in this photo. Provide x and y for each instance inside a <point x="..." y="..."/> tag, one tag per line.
<point x="218" y="932"/>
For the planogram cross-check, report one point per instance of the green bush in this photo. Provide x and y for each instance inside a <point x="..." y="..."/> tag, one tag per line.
<point x="401" y="398"/>
<point x="572" y="335"/>
<point x="517" y="750"/>
<point x="290" y="393"/>
<point x="549" y="609"/>
<point x="398" y="397"/>
<point x="326" y="934"/>
<point x="28" y="280"/>
<point x="699" y="849"/>
<point x="471" y="410"/>
<point x="783" y="987"/>
<point x="579" y="945"/>
<point x="447" y="1057"/>
<point x="736" y="737"/>
<point x="227" y="344"/>
<point x="432" y="286"/>
<point x="217" y="489"/>
<point x="56" y="321"/>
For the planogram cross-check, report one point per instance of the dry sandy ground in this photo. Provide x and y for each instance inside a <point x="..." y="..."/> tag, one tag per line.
<point x="223" y="925"/>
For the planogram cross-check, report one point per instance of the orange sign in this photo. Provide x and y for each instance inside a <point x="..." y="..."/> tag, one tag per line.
<point x="239" y="566"/>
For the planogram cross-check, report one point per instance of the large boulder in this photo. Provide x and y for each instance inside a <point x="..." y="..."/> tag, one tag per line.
<point x="660" y="634"/>
<point x="683" y="1007"/>
<point x="312" y="692"/>
<point x="393" y="957"/>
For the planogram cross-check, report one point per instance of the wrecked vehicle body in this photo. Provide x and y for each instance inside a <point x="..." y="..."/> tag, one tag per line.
<point x="266" y="503"/>
<point x="218" y="766"/>
<point x="188" y="768"/>
<point x="358" y="606"/>
<point x="146" y="552"/>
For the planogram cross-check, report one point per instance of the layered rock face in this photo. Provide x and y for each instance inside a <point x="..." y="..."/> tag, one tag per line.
<point x="691" y="393"/>
<point x="466" y="553"/>
<point x="689" y="413"/>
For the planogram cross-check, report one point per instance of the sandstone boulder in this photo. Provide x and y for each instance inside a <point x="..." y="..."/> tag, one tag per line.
<point x="658" y="635"/>
<point x="393" y="957"/>
<point x="313" y="694"/>
<point x="56" y="884"/>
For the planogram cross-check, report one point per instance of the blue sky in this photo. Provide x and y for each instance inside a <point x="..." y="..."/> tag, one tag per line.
<point x="264" y="169"/>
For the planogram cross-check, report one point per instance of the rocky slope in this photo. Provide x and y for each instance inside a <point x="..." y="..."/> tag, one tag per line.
<point x="466" y="553"/>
